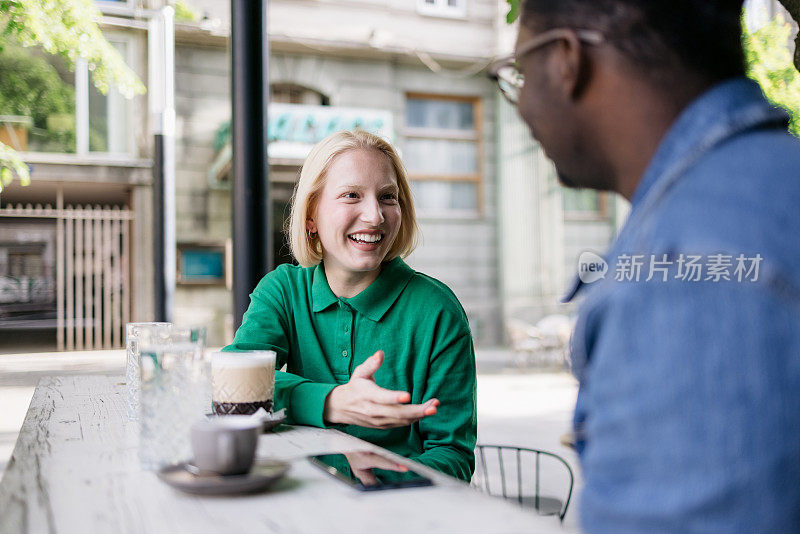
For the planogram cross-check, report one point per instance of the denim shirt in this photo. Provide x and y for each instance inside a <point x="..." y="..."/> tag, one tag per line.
<point x="688" y="412"/>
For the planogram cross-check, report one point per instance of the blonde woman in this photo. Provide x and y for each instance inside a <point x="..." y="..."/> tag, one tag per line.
<point x="372" y="347"/>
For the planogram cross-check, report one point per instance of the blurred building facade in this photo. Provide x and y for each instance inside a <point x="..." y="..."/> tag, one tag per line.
<point x="496" y="226"/>
<point x="76" y="247"/>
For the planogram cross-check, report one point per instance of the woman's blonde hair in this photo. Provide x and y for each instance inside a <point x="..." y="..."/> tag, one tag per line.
<point x="307" y="249"/>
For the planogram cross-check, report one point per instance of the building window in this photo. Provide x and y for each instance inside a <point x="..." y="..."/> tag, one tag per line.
<point x="115" y="7"/>
<point x="109" y="120"/>
<point x="289" y="93"/>
<point x="443" y="8"/>
<point x="442" y="154"/>
<point x="27" y="273"/>
<point x="584" y="204"/>
<point x="46" y="107"/>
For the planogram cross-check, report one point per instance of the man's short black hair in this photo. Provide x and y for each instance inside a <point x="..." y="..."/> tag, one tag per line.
<point x="660" y="37"/>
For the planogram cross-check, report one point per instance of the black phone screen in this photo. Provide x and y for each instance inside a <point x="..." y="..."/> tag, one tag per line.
<point x="338" y="466"/>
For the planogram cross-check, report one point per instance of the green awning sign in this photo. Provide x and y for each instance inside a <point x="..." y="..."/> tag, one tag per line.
<point x="293" y="129"/>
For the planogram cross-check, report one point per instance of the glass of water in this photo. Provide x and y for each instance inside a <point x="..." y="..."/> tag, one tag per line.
<point x="199" y="385"/>
<point x="136" y="335"/>
<point x="175" y="392"/>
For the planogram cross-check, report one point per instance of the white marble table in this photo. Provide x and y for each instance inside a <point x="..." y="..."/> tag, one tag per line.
<point x="75" y="469"/>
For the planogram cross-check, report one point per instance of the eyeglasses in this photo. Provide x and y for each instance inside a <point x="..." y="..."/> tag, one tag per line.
<point x="505" y="70"/>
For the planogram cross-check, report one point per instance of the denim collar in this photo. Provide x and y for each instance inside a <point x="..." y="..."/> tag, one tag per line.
<point x="375" y="300"/>
<point x="727" y="109"/>
<point x="724" y="110"/>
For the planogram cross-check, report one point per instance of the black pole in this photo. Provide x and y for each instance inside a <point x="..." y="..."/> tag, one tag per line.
<point x="252" y="257"/>
<point x="159" y="279"/>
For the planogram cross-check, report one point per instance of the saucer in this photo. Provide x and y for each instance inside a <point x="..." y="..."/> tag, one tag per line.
<point x="271" y="424"/>
<point x="269" y="420"/>
<point x="262" y="476"/>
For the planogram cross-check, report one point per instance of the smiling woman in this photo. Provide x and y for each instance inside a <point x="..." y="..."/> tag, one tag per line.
<point x="356" y="219"/>
<point x="371" y="347"/>
<point x="353" y="149"/>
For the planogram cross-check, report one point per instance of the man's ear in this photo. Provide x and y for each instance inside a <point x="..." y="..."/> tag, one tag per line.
<point x="571" y="67"/>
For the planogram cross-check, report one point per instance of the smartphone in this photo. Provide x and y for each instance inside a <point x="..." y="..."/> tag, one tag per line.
<point x="338" y="466"/>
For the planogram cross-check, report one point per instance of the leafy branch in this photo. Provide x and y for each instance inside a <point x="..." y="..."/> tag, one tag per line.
<point x="769" y="63"/>
<point x="793" y="7"/>
<point x="67" y="28"/>
<point x="10" y="165"/>
<point x="513" y="11"/>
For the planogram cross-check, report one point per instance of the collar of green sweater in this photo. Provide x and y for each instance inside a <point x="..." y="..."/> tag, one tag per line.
<point x="374" y="301"/>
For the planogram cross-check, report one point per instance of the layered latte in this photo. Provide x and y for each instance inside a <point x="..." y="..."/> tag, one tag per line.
<point x="242" y="382"/>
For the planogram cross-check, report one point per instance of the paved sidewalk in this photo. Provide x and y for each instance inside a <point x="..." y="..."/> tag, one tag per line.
<point x="516" y="406"/>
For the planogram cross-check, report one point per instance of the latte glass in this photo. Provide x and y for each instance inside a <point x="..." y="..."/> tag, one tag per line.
<point x="242" y="382"/>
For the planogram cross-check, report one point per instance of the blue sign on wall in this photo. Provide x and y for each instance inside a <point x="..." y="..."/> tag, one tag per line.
<point x="202" y="265"/>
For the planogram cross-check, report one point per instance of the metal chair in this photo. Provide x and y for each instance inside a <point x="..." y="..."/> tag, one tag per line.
<point x="519" y="459"/>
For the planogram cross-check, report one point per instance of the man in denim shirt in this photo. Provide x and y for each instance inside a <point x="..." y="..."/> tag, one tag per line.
<point x="688" y="350"/>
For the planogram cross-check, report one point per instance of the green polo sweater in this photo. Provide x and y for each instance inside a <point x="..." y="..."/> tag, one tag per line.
<point x="415" y="319"/>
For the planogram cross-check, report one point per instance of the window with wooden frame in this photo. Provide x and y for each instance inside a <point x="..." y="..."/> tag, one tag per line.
<point x="585" y="204"/>
<point x="57" y="109"/>
<point x="115" y="7"/>
<point x="443" y="155"/>
<point x="289" y="93"/>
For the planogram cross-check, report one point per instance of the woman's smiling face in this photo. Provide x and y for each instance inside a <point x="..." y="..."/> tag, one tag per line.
<point x="357" y="215"/>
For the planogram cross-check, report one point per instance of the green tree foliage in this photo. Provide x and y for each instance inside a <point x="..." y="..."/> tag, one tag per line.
<point x="11" y="165"/>
<point x="30" y="86"/>
<point x="793" y="8"/>
<point x="513" y="11"/>
<point x="67" y="28"/>
<point x="769" y="62"/>
<point x="184" y="12"/>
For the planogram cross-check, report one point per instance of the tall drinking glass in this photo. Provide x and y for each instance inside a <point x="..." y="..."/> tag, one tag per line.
<point x="136" y="335"/>
<point x="199" y="387"/>
<point x="175" y="392"/>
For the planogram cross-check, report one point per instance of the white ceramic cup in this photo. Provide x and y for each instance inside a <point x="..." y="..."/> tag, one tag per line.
<point x="226" y="444"/>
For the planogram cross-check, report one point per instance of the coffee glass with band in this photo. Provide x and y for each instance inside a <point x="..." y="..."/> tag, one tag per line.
<point x="242" y="382"/>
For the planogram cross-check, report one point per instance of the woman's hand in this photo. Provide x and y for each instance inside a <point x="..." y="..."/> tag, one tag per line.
<point x="362" y="402"/>
<point x="362" y="463"/>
